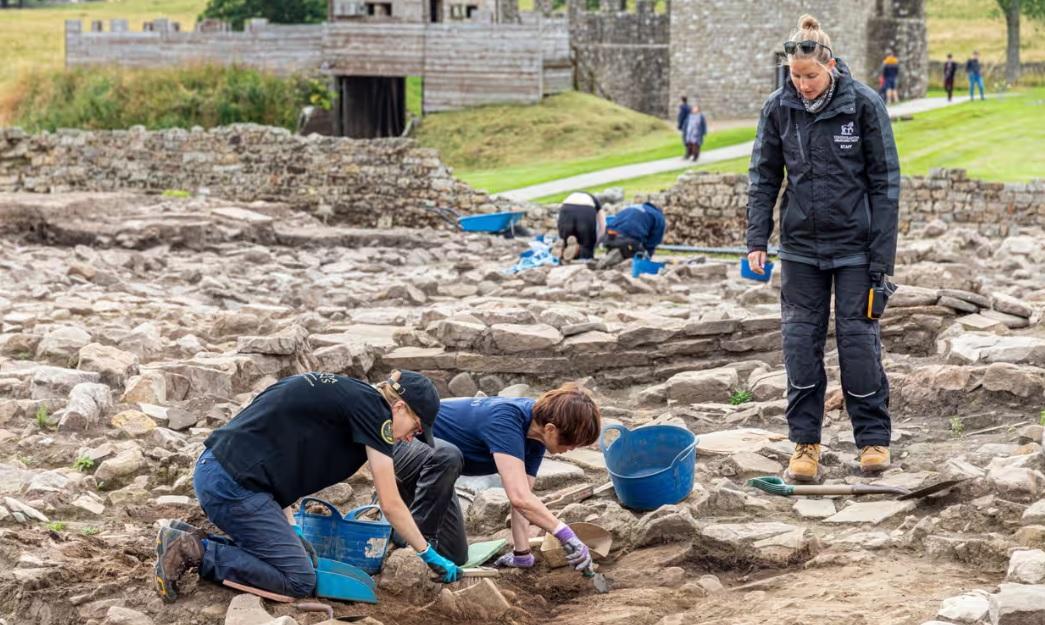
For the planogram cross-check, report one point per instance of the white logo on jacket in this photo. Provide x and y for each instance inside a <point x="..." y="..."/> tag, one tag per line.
<point x="847" y="139"/>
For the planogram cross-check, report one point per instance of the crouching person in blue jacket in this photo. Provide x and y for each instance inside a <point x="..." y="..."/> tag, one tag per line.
<point x="299" y="436"/>
<point x="637" y="229"/>
<point x="503" y="436"/>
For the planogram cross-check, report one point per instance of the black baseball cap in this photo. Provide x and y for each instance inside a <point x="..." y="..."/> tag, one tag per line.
<point x="419" y="393"/>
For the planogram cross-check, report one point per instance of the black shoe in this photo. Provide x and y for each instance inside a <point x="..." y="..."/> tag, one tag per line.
<point x="176" y="552"/>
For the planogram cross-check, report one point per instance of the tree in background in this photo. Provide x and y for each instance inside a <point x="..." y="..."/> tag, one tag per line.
<point x="1034" y="9"/>
<point x="235" y="12"/>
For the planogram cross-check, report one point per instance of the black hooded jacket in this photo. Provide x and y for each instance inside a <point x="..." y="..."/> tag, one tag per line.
<point x="843" y="178"/>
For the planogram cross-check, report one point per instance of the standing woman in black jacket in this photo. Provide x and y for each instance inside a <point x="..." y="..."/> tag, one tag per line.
<point x="831" y="135"/>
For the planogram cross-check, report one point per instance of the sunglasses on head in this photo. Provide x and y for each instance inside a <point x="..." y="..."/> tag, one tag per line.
<point x="805" y="47"/>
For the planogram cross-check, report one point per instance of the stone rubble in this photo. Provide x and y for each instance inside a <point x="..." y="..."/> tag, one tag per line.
<point x="126" y="338"/>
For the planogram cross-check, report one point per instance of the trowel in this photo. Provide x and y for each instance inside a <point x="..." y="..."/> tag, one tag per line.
<point x="598" y="580"/>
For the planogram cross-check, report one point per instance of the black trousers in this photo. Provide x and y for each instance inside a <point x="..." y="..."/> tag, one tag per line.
<point x="580" y="222"/>
<point x="805" y="310"/>
<point x="426" y="477"/>
<point x="628" y="246"/>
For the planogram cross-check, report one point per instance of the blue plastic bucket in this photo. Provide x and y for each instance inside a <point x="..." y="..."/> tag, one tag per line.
<point x="640" y="265"/>
<point x="345" y="539"/>
<point x="650" y="466"/>
<point x="746" y="272"/>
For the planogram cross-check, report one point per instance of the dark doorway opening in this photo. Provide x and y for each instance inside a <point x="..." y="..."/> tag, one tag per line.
<point x="435" y="10"/>
<point x="371" y="106"/>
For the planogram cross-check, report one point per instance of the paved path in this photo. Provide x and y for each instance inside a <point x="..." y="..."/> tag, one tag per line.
<point x="625" y="172"/>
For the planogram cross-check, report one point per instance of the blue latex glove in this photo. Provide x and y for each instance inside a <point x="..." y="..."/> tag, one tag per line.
<point x="447" y="569"/>
<point x="577" y="553"/>
<point x="517" y="561"/>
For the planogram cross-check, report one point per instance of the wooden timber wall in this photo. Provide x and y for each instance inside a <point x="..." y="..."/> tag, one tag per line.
<point x="463" y="64"/>
<point x="282" y="49"/>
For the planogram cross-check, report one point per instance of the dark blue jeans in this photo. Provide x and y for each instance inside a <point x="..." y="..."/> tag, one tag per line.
<point x="975" y="80"/>
<point x="265" y="552"/>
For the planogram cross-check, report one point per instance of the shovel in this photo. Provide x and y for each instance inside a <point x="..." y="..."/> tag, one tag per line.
<point x="777" y="486"/>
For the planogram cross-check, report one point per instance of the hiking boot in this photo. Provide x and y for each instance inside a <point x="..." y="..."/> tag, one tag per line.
<point x="874" y="459"/>
<point x="573" y="248"/>
<point x="611" y="258"/>
<point x="177" y="552"/>
<point x="182" y="526"/>
<point x="805" y="463"/>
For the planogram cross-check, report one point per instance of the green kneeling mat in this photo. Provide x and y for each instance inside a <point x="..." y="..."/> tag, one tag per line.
<point x="479" y="553"/>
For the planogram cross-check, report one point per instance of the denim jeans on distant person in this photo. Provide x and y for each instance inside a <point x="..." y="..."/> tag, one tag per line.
<point x="975" y="80"/>
<point x="265" y="551"/>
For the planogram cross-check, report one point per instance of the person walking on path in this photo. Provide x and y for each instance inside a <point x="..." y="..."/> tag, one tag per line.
<point x="972" y="71"/>
<point x="299" y="436"/>
<point x="680" y="121"/>
<point x="950" y="68"/>
<point x="890" y="76"/>
<point x="696" y="129"/>
<point x="503" y="436"/>
<point x="681" y="118"/>
<point x="831" y="135"/>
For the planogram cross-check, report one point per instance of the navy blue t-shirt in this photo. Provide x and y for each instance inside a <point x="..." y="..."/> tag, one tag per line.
<point x="482" y="426"/>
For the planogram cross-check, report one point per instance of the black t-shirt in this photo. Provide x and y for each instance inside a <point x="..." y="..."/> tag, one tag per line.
<point x="303" y="434"/>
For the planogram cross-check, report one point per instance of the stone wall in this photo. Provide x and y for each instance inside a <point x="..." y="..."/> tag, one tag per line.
<point x="900" y="28"/>
<point x="622" y="56"/>
<point x="726" y="54"/>
<point x="711" y="209"/>
<point x="376" y="183"/>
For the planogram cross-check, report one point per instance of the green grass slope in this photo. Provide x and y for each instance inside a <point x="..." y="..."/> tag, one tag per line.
<point x="497" y="148"/>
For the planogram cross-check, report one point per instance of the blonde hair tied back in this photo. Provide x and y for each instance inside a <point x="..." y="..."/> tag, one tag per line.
<point x="386" y="390"/>
<point x="809" y="30"/>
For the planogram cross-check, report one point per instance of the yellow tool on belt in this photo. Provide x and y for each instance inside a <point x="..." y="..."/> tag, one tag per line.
<point x="878" y="296"/>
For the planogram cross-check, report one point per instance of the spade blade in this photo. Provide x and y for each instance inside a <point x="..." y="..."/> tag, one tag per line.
<point x="929" y="490"/>
<point x="602" y="585"/>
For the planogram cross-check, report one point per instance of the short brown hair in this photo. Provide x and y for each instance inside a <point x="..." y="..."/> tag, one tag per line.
<point x="572" y="411"/>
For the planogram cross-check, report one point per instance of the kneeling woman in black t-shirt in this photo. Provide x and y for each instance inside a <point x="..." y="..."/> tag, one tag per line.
<point x="299" y="436"/>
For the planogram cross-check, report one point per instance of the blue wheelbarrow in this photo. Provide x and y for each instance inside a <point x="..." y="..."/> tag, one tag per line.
<point x="493" y="223"/>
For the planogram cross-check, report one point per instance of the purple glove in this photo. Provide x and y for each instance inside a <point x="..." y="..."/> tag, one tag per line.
<point x="516" y="560"/>
<point x="577" y="553"/>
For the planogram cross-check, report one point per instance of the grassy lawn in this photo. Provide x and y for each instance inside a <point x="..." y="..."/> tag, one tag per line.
<point x="999" y="139"/>
<point x="33" y="39"/>
<point x="497" y="148"/>
<point x="657" y="182"/>
<point x="961" y="26"/>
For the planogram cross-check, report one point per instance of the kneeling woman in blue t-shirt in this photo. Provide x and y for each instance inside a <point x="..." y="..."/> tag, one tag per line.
<point x="506" y="436"/>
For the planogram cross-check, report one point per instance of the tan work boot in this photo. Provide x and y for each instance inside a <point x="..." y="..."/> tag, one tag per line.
<point x="874" y="459"/>
<point x="176" y="552"/>
<point x="805" y="463"/>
